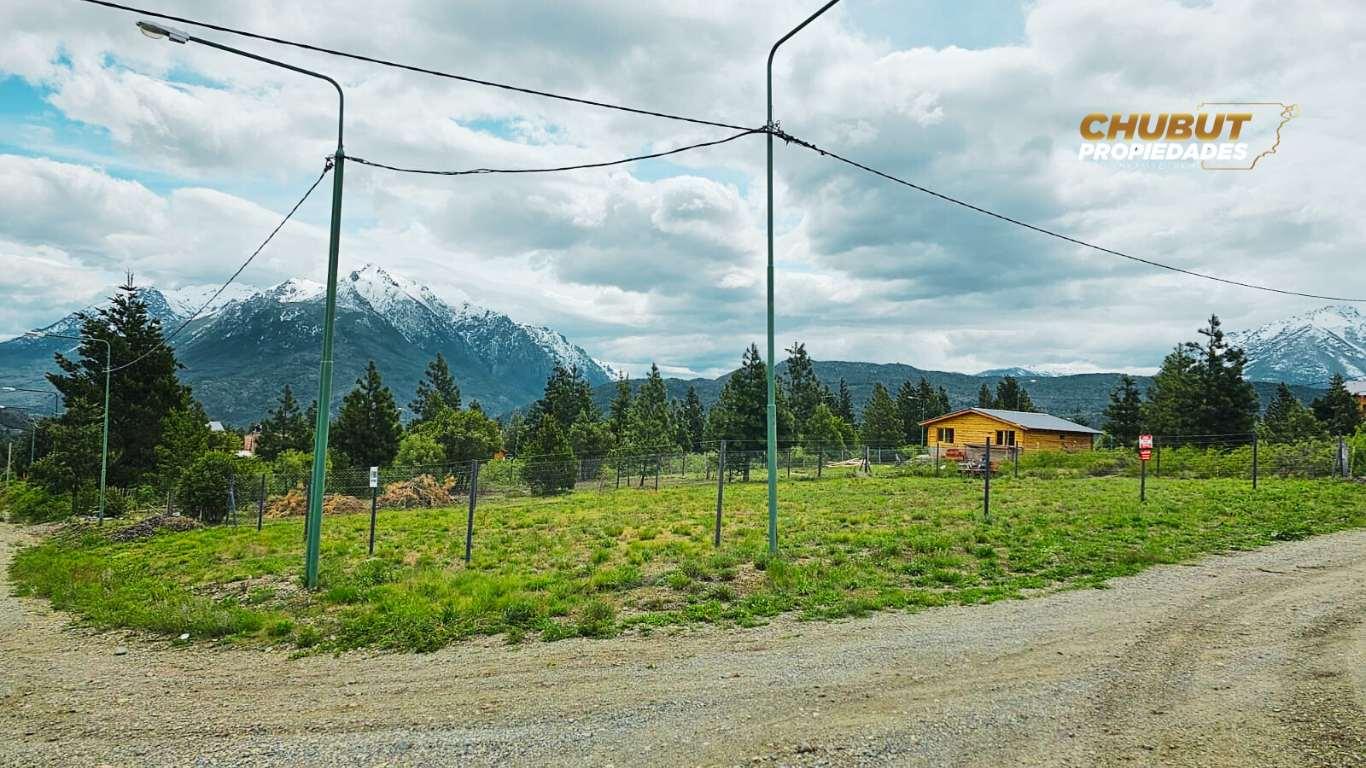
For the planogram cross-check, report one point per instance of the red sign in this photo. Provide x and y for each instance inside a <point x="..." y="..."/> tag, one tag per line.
<point x="1145" y="447"/>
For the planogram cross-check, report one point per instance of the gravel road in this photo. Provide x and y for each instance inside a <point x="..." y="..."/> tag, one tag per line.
<point x="1249" y="659"/>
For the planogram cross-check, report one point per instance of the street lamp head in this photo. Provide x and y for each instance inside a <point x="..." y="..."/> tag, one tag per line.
<point x="8" y="389"/>
<point x="158" y="32"/>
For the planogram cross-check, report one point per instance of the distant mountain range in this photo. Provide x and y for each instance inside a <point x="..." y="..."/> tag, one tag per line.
<point x="250" y="342"/>
<point x="245" y="347"/>
<point x="1307" y="349"/>
<point x="1080" y="396"/>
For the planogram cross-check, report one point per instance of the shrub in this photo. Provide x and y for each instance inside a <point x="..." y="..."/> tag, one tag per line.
<point x="22" y="502"/>
<point x="204" y="486"/>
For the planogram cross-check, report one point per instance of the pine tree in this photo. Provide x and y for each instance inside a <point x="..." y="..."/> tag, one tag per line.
<point x="740" y="415"/>
<point x="566" y="395"/>
<point x="1337" y="409"/>
<point x="185" y="436"/>
<point x="844" y="402"/>
<point x="1172" y="396"/>
<point x="1124" y="414"/>
<point x="694" y="419"/>
<point x="650" y="429"/>
<point x="1011" y="396"/>
<point x="882" y="426"/>
<point x="1288" y="421"/>
<point x="910" y="409"/>
<point x="286" y="429"/>
<point x="550" y="464"/>
<point x="942" y="404"/>
<point x="984" y="398"/>
<point x="804" y="390"/>
<point x="619" y="413"/>
<point x="1227" y="402"/>
<point x="140" y="396"/>
<point x="435" y="391"/>
<point x="367" y="428"/>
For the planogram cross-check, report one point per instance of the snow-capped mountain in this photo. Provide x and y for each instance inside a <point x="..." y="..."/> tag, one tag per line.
<point x="247" y="344"/>
<point x="1307" y="348"/>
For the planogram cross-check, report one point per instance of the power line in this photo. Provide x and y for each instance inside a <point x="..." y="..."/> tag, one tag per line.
<point x="412" y="68"/>
<point x="1051" y="233"/>
<point x="556" y="169"/>
<point x="167" y="339"/>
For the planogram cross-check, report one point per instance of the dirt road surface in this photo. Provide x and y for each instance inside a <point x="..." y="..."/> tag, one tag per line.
<point x="1249" y="659"/>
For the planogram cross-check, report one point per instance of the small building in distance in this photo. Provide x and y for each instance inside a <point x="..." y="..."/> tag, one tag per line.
<point x="955" y="432"/>
<point x="1358" y="390"/>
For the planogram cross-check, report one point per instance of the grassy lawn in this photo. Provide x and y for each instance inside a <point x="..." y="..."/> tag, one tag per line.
<point x="594" y="564"/>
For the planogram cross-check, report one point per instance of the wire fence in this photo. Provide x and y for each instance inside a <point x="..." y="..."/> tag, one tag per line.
<point x="259" y="496"/>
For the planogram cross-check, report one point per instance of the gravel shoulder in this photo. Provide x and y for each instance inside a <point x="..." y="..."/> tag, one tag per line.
<point x="1246" y="659"/>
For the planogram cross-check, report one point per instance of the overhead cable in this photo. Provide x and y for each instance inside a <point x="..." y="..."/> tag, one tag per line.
<point x="412" y="68"/>
<point x="1051" y="233"/>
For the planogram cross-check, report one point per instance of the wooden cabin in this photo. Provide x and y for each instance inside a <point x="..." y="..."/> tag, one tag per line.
<point x="953" y="433"/>
<point x="1358" y="390"/>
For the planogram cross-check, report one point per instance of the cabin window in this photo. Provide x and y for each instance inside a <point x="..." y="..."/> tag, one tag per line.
<point x="1005" y="437"/>
<point x="945" y="434"/>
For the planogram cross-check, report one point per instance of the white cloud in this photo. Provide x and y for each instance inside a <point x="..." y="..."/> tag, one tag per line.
<point x="643" y="264"/>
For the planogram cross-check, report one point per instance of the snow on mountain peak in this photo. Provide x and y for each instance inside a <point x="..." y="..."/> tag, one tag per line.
<point x="1307" y="348"/>
<point x="296" y="290"/>
<point x="188" y="300"/>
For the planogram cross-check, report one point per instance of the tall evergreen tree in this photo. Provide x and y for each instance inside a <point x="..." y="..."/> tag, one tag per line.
<point x="740" y="414"/>
<point x="141" y="394"/>
<point x="1011" y="396"/>
<point x="910" y="409"/>
<point x="882" y="425"/>
<point x="1124" y="414"/>
<point x="367" y="428"/>
<point x="566" y="395"/>
<point x="286" y="429"/>
<point x="650" y="428"/>
<point x="435" y="391"/>
<point x="1170" y="405"/>
<point x="694" y="419"/>
<point x="1227" y="402"/>
<point x="1337" y="409"/>
<point x="550" y="464"/>
<point x="984" y="398"/>
<point x="1288" y="421"/>
<point x="825" y="431"/>
<point x="619" y="413"/>
<point x="844" y="402"/>
<point x="804" y="390"/>
<point x="185" y="436"/>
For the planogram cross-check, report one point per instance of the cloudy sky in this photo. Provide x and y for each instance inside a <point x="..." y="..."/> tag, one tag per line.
<point x="119" y="153"/>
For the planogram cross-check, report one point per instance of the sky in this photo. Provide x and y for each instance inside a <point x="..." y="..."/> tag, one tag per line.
<point x="120" y="153"/>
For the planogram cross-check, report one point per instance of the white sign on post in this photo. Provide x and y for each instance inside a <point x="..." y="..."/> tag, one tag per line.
<point x="374" y="477"/>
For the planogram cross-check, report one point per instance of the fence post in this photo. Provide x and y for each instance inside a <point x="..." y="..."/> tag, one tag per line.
<point x="1142" y="481"/>
<point x="618" y="473"/>
<point x="1254" y="461"/>
<point x="820" y="462"/>
<point x="1015" y="455"/>
<point x="374" y="509"/>
<point x="232" y="498"/>
<point x="169" y="491"/>
<point x="867" y="466"/>
<point x="986" y="483"/>
<point x="720" y="491"/>
<point x="261" y="504"/>
<point x="469" y="520"/>
<point x="656" y="471"/>
<point x="936" y="459"/>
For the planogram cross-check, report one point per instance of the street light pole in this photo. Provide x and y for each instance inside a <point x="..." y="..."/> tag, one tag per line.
<point x="33" y="440"/>
<point x="32" y="430"/>
<point x="319" y="474"/>
<point x="772" y="362"/>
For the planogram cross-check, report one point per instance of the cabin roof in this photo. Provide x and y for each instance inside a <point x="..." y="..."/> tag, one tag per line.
<point x="1023" y="419"/>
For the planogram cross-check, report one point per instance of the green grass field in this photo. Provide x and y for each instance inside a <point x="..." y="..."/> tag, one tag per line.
<point x="595" y="564"/>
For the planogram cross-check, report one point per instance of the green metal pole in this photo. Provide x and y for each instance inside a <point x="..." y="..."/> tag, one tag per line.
<point x="772" y="361"/>
<point x="313" y="521"/>
<point x="318" y="485"/>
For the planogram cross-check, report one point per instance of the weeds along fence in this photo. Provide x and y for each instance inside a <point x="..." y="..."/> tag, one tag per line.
<point x="257" y="496"/>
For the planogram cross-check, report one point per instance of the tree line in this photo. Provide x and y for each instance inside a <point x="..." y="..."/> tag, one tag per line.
<point x="1200" y="390"/>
